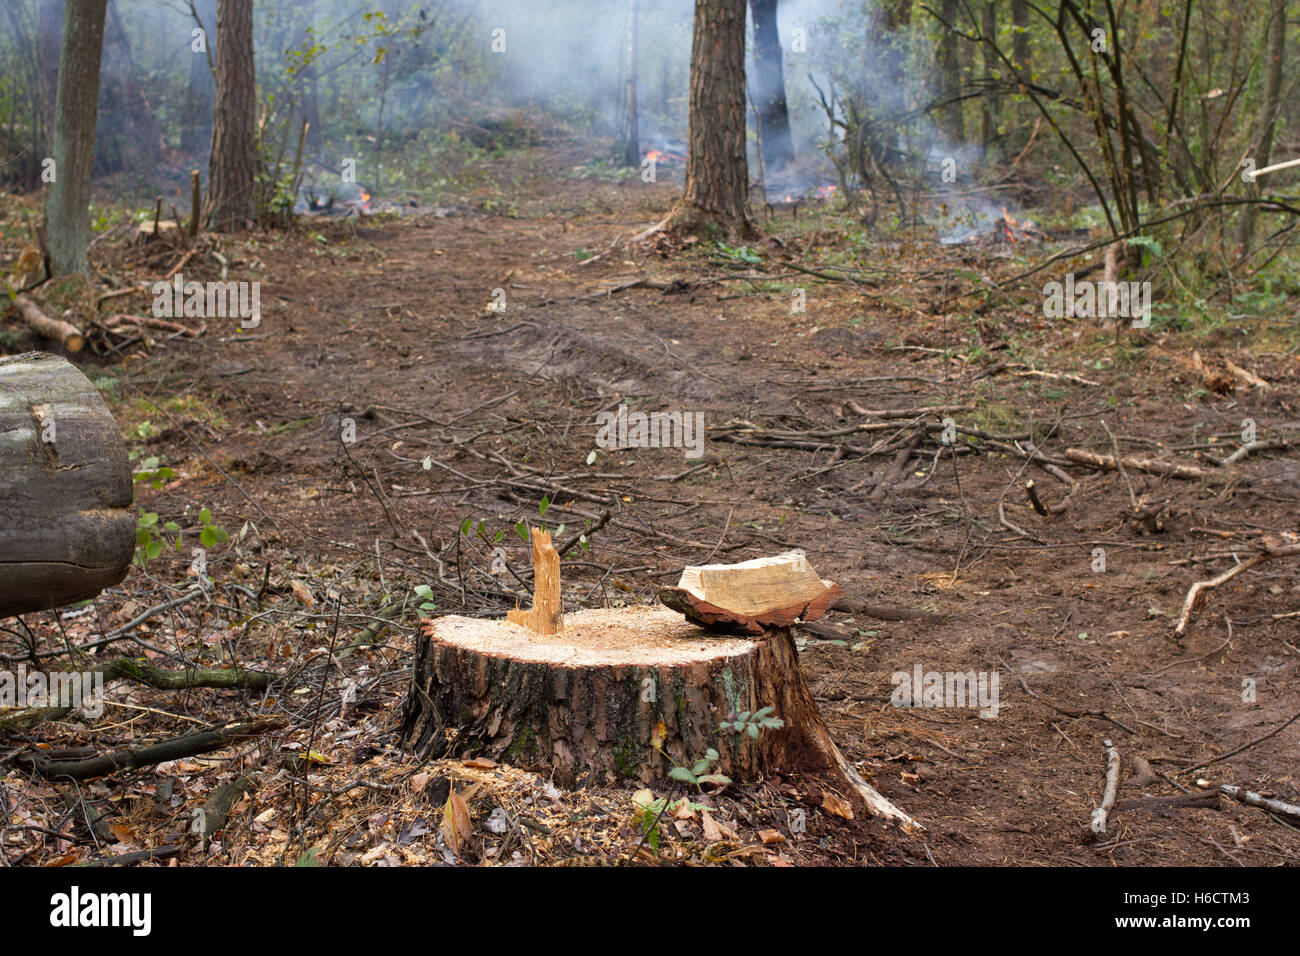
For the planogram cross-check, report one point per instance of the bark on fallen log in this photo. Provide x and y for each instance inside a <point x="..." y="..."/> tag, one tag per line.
<point x="188" y="746"/>
<point x="66" y="528"/>
<point x="1150" y="466"/>
<point x="73" y="338"/>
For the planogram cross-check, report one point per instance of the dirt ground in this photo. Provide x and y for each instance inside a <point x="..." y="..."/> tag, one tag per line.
<point x="384" y="320"/>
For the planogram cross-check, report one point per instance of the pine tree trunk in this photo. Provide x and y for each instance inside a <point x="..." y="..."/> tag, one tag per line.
<point x="1268" y="114"/>
<point x="67" y="210"/>
<point x="231" y="204"/>
<point x="717" y="174"/>
<point x="769" y="87"/>
<point x="631" y="121"/>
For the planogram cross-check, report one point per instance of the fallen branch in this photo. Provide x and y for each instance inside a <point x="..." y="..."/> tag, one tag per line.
<point x="142" y="672"/>
<point x="1250" y="798"/>
<point x="1244" y="747"/>
<point x="73" y="338"/>
<point x="188" y="746"/>
<point x="217" y="808"/>
<point x="136" y="856"/>
<point x="1149" y="465"/>
<point x="1196" y="593"/>
<point x="1098" y="822"/>
<point x="113" y="321"/>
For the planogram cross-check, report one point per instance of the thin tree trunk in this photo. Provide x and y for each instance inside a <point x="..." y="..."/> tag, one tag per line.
<point x="1020" y="45"/>
<point x="948" y="61"/>
<point x="1266" y="123"/>
<point x="67" y="210"/>
<point x="631" y="121"/>
<point x="197" y="131"/>
<point x="769" y="87"/>
<point x="991" y="102"/>
<point x="717" y="174"/>
<point x="234" y="143"/>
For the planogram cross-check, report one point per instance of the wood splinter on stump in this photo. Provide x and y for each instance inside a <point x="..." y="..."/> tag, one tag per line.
<point x="612" y="695"/>
<point x="547" y="614"/>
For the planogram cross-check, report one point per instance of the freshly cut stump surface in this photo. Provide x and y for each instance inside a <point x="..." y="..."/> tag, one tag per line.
<point x="618" y="695"/>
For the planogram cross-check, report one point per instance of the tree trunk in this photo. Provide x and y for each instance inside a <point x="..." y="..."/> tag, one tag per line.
<point x="991" y="102"/>
<point x="1268" y="115"/>
<point x="717" y="175"/>
<point x="68" y="531"/>
<point x="67" y="210"/>
<point x="620" y="695"/>
<point x="230" y="173"/>
<point x="196" y="134"/>
<point x="948" y="62"/>
<point x="1020" y="45"/>
<point x="631" y="121"/>
<point x="769" y="87"/>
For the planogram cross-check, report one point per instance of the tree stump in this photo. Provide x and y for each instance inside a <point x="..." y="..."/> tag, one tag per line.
<point x="620" y="695"/>
<point x="66" y="528"/>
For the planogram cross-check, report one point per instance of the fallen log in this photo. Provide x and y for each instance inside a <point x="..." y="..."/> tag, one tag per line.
<point x="216" y="738"/>
<point x="621" y="694"/>
<point x="57" y="330"/>
<point x="66" y="528"/>
<point x="1151" y="466"/>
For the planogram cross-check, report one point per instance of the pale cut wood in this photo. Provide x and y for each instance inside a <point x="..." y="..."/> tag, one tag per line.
<point x="771" y="591"/>
<point x="547" y="613"/>
<point x="66" y="526"/>
<point x="54" y="329"/>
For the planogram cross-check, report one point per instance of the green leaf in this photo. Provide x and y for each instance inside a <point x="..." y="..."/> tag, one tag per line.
<point x="521" y="529"/>
<point x="205" y="516"/>
<point x="466" y="525"/>
<point x="153" y="549"/>
<point x="424" y="591"/>
<point x="208" y="537"/>
<point x="682" y="774"/>
<point x="543" y="505"/>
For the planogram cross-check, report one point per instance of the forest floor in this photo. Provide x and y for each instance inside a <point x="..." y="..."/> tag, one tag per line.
<point x="381" y="323"/>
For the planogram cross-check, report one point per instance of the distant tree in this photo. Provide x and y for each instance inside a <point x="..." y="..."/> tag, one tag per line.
<point x="1020" y="45"/>
<point x="1266" y="121"/>
<point x="631" y="121"/>
<point x="991" y="102"/>
<point x="67" y="209"/>
<point x="769" y="88"/>
<point x="717" y="174"/>
<point x="196" y="131"/>
<point x="231" y="203"/>
<point x="949" y="65"/>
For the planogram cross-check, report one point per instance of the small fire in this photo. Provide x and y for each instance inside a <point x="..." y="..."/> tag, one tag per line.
<point x="1009" y="225"/>
<point x="826" y="192"/>
<point x="365" y="197"/>
<point x="656" y="155"/>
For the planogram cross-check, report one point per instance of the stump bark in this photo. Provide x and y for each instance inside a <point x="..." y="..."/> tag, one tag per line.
<point x="66" y="528"/>
<point x="620" y="695"/>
